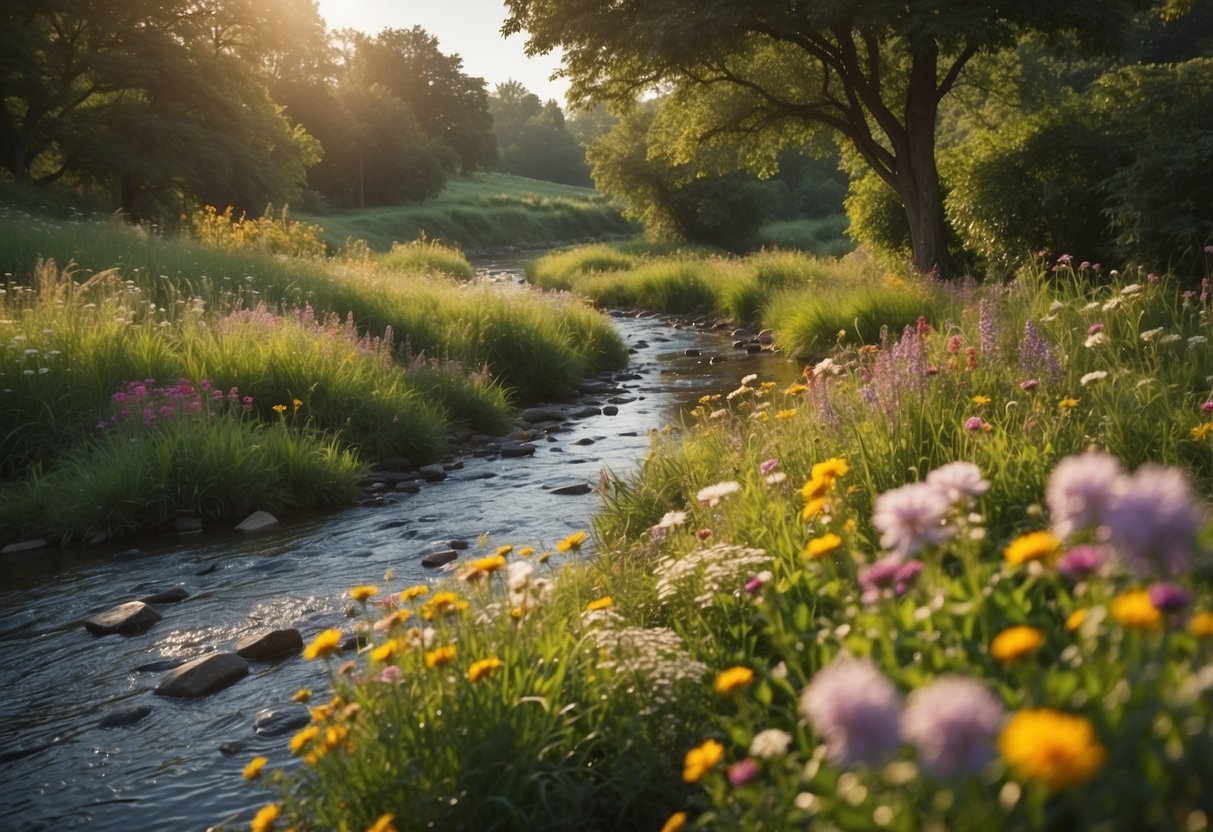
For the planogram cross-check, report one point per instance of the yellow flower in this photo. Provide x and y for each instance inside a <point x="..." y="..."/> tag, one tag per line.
<point x="819" y="547"/>
<point x="981" y="400"/>
<point x="526" y="551"/>
<point x="414" y="592"/>
<point x="1016" y="642"/>
<point x="1068" y="404"/>
<point x="795" y="389"/>
<point x="440" y="656"/>
<point x="302" y="695"/>
<point x="483" y="668"/>
<point x="335" y="735"/>
<point x="504" y="550"/>
<point x="383" y="823"/>
<point x="384" y="652"/>
<point x="1201" y="624"/>
<point x="733" y="679"/>
<point x="304" y="737"/>
<point x="442" y="602"/>
<point x="1031" y="546"/>
<point x="328" y="641"/>
<point x="830" y="470"/>
<point x="603" y="603"/>
<point x="279" y="408"/>
<point x="675" y="822"/>
<point x="253" y="770"/>
<point x="362" y="593"/>
<point x="700" y="760"/>
<point x="768" y="385"/>
<point x="572" y="542"/>
<point x="812" y="508"/>
<point x="266" y="815"/>
<point x="815" y="488"/>
<point x="1202" y="431"/>
<point x="1134" y="609"/>
<point x="1074" y="620"/>
<point x="783" y="415"/>
<point x="1052" y="747"/>
<point x="483" y="566"/>
<point x="298" y="403"/>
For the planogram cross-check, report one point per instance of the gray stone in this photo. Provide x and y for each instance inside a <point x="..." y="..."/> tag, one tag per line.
<point x="766" y="337"/>
<point x="128" y="619"/>
<point x="439" y="558"/>
<point x="458" y="544"/>
<point x="621" y="399"/>
<point x="585" y="440"/>
<point x="587" y="412"/>
<point x="168" y="596"/>
<point x="130" y="554"/>
<point x="516" y="449"/>
<point x="257" y="521"/>
<point x="591" y="386"/>
<point x="270" y="645"/>
<point x="743" y="334"/>
<point x="574" y="490"/>
<point x="159" y="666"/>
<point x="534" y="415"/>
<point x="610" y="410"/>
<point x="274" y="722"/>
<point x="126" y="715"/>
<point x="692" y="353"/>
<point x="408" y="487"/>
<point x="753" y="348"/>
<point x="432" y="473"/>
<point x="24" y="546"/>
<point x="203" y="675"/>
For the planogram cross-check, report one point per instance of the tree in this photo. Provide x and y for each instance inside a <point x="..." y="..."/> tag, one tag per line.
<point x="533" y="139"/>
<point x="766" y="73"/>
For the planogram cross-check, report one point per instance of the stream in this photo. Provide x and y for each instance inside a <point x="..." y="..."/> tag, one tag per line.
<point x="177" y="766"/>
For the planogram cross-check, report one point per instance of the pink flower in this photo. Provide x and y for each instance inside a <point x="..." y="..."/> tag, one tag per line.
<point x="743" y="771"/>
<point x="974" y="423"/>
<point x="911" y="518"/>
<point x="768" y="466"/>
<point x="855" y="710"/>
<point x="953" y="723"/>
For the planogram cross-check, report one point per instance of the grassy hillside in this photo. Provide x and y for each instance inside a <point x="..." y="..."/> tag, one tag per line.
<point x="484" y="211"/>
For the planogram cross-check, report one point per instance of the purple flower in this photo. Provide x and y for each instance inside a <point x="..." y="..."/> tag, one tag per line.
<point x="974" y="423"/>
<point x="1154" y="521"/>
<point x="743" y="771"/>
<point x="1036" y="355"/>
<point x="953" y="723"/>
<point x="768" y="466"/>
<point x="959" y="480"/>
<point x="1206" y="406"/>
<point x="1029" y="385"/>
<point x="855" y="710"/>
<point x="987" y="327"/>
<point x="911" y="517"/>
<point x="1094" y="328"/>
<point x="906" y="576"/>
<point x="1169" y="598"/>
<point x="1081" y="562"/>
<point x="757" y="582"/>
<point x="1080" y="491"/>
<point x="879" y="577"/>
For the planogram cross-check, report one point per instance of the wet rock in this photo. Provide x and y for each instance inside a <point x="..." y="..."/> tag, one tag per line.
<point x="453" y="465"/>
<point x="388" y="525"/>
<point x="573" y="490"/>
<point x="610" y="410"/>
<point x="753" y="348"/>
<point x="168" y="596"/>
<point x="408" y="487"/>
<point x="98" y="539"/>
<point x="390" y="477"/>
<point x="586" y="412"/>
<point x="628" y="377"/>
<point x="740" y="345"/>
<point x="376" y="501"/>
<point x="257" y="521"/>
<point x="439" y="558"/>
<point x="231" y="748"/>
<point x="24" y="546"/>
<point x="591" y="386"/>
<point x="128" y="619"/>
<point x="585" y="440"/>
<point x="160" y="666"/>
<point x="743" y="334"/>
<point x="22" y="753"/>
<point x="516" y="449"/>
<point x="275" y="722"/>
<point x="621" y="399"/>
<point x="126" y="715"/>
<point x="130" y="554"/>
<point x="482" y="474"/>
<point x="458" y="544"/>
<point x="207" y="570"/>
<point x="203" y="675"/>
<point x="692" y="352"/>
<point x="535" y="415"/>
<point x="432" y="473"/>
<point x="271" y="645"/>
<point x="766" y="337"/>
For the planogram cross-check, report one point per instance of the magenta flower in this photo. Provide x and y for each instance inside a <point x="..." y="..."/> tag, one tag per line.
<point x="855" y="710"/>
<point x="911" y="518"/>
<point x="1169" y="598"/>
<point x="1094" y="328"/>
<point x="768" y="466"/>
<point x="953" y="722"/>
<point x="1206" y="406"/>
<point x="974" y="423"/>
<point x="1081" y="562"/>
<point x="743" y="771"/>
<point x="888" y="577"/>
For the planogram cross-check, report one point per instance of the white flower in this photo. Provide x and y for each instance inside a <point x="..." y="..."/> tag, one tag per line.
<point x="770" y="743"/>
<point x="672" y="518"/>
<point x="747" y="379"/>
<point x="1150" y="334"/>
<point x="1169" y="338"/>
<point x="959" y="480"/>
<point x="826" y="366"/>
<point x="1090" y="306"/>
<point x="717" y="414"/>
<point x="776" y="478"/>
<point x="1114" y="303"/>
<point x="1095" y="375"/>
<point x="1095" y="339"/>
<point x="1197" y="341"/>
<point x="1056" y="305"/>
<point x="723" y="568"/>
<point x="713" y="494"/>
<point x="1131" y="289"/>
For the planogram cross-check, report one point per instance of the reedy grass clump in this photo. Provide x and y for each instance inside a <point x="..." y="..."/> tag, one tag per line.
<point x="427" y="257"/>
<point x="821" y="527"/>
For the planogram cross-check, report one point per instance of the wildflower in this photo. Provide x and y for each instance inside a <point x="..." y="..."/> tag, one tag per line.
<point x="958" y="480"/>
<point x="440" y="656"/>
<point x="767" y="466"/>
<point x="1036" y="354"/>
<point x="571" y="543"/>
<point x="1092" y="377"/>
<point x="298" y="403"/>
<point x="981" y="401"/>
<point x="1028" y="385"/>
<point x="483" y="669"/>
<point x="604" y="603"/>
<point x="1202" y="431"/>
<point x="1201" y="624"/>
<point x="1095" y="340"/>
<point x="391" y="673"/>
<point x="1155" y="520"/>
<point x="1031" y="546"/>
<point x="975" y="423"/>
<point x="758" y="581"/>
<point x="442" y="602"/>
<point x="1094" y="328"/>
<point x="784" y="415"/>
<point x="830" y="470"/>
<point x="776" y="478"/>
<point x="302" y="738"/>
<point x="795" y="389"/>
<point x="414" y="592"/>
<point x="720" y="568"/>
<point x="734" y="679"/>
<point x="384" y="652"/>
<point x="1067" y="404"/>
<point x="279" y="408"/>
<point x="1081" y="490"/>
<point x="953" y="723"/>
<point x="700" y="760"/>
<point x="1081" y="562"/>
<point x="263" y="821"/>
<point x="1135" y="610"/>
<point x="1074" y="620"/>
<point x="301" y="695"/>
<point x="1150" y="334"/>
<point x="484" y="566"/>
<point x="1052" y="747"/>
<point x="674" y="822"/>
<point x="713" y="494"/>
<point x="1206" y="407"/>
<point x="855" y="710"/>
<point x="743" y="771"/>
<point x="383" y="823"/>
<point x="911" y="518"/>
<point x="812" y="508"/>
<point x="821" y="546"/>
<point x="887" y="576"/>
<point x="253" y="770"/>
<point x="526" y="551"/>
<point x="328" y="641"/>
<point x="362" y="593"/>
<point x="1169" y="598"/>
<point x="1015" y="643"/>
<point x="671" y="519"/>
<point x="703" y="534"/>
<point x="770" y="743"/>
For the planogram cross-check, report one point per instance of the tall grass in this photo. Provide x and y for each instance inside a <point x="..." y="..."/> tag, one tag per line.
<point x="427" y="257"/>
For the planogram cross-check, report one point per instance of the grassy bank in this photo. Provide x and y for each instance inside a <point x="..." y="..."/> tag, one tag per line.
<point x="484" y="211"/>
<point x="959" y="579"/>
<point x="173" y="346"/>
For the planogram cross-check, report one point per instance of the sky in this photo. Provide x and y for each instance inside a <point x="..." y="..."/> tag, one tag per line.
<point x="468" y="28"/>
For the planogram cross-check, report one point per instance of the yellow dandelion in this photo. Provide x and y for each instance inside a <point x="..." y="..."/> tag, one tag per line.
<point x="1074" y="620"/>
<point x="483" y="669"/>
<point x="732" y="680"/>
<point x="1135" y="610"/>
<point x="1051" y="747"/>
<point x="545" y="557"/>
<point x="572" y="542"/>
<point x="263" y="821"/>
<point x="516" y="613"/>
<point x="1067" y="404"/>
<point x="328" y="641"/>
<point x="362" y="593"/>
<point x="1201" y="624"/>
<point x="334" y="736"/>
<point x="483" y="566"/>
<point x="414" y="592"/>
<point x="819" y="547"/>
<point x="301" y="739"/>
<point x="253" y="770"/>
<point x="1031" y="546"/>
<point x="784" y="415"/>
<point x="675" y="822"/>
<point x="302" y="695"/>
<point x="440" y="656"/>
<point x="1015" y="642"/>
<point x="700" y="760"/>
<point x="298" y="403"/>
<point x="603" y="603"/>
<point x="526" y="551"/>
<point x="980" y="400"/>
<point x="383" y="823"/>
<point x="1202" y="431"/>
<point x="384" y="652"/>
<point x="830" y="470"/>
<point x="504" y="550"/>
<point x="812" y="508"/>
<point x="795" y="389"/>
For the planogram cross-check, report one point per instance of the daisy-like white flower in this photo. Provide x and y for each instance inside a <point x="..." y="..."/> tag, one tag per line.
<point x="1095" y="340"/>
<point x="713" y="494"/>
<point x="1092" y="377"/>
<point x="770" y="743"/>
<point x="959" y="480"/>
<point x="1151" y="334"/>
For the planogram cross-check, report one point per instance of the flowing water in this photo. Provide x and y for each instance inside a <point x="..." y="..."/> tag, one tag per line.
<point x="178" y="767"/>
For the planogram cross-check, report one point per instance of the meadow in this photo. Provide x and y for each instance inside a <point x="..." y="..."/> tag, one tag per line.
<point x="957" y="578"/>
<point x="146" y="375"/>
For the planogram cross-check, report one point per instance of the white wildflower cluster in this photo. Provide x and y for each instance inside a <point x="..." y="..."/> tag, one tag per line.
<point x="650" y="658"/>
<point x="708" y="572"/>
<point x="526" y="591"/>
